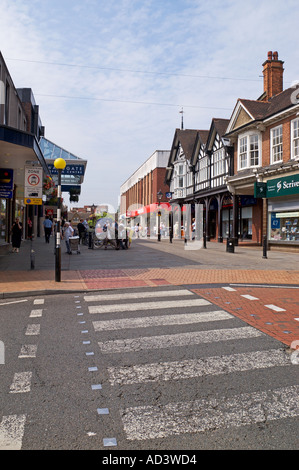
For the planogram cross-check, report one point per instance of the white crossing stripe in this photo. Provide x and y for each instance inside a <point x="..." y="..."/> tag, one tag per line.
<point x="152" y="422"/>
<point x="230" y="289"/>
<point x="174" y="319"/>
<point x="28" y="350"/>
<point x="36" y="313"/>
<point x="137" y="295"/>
<point x="21" y="382"/>
<point x="11" y="432"/>
<point x="148" y="305"/>
<point x="215" y="365"/>
<point x="177" y="340"/>
<point x="32" y="330"/>
<point x="38" y="301"/>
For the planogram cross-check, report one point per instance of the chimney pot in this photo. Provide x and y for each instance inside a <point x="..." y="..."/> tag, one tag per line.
<point x="270" y="55"/>
<point x="275" y="55"/>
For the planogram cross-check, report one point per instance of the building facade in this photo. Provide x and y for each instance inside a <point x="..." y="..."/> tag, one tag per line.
<point x="20" y="130"/>
<point x="265" y="137"/>
<point x="144" y="191"/>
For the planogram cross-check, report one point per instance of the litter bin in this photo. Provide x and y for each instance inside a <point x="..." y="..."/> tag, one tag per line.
<point x="230" y="245"/>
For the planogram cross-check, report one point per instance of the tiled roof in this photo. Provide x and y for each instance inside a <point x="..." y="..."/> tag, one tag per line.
<point x="265" y="109"/>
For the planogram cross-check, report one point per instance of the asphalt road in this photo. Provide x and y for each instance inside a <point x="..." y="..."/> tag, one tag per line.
<point x="169" y="372"/>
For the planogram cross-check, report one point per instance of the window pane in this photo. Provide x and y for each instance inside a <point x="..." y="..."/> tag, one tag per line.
<point x="254" y="150"/>
<point x="277" y="144"/>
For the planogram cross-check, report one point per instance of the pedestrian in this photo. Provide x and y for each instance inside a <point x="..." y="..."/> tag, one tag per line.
<point x="16" y="232"/>
<point x="29" y="228"/>
<point x="81" y="230"/>
<point x="48" y="228"/>
<point x="67" y="233"/>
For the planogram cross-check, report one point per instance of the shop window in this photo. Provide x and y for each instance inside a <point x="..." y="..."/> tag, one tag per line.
<point x="284" y="226"/>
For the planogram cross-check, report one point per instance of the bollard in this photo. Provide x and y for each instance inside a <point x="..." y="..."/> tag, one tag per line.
<point x="265" y="248"/>
<point x="32" y="256"/>
<point x="204" y="240"/>
<point x="230" y="247"/>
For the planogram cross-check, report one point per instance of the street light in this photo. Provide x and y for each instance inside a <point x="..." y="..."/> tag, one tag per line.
<point x="59" y="164"/>
<point x="159" y="195"/>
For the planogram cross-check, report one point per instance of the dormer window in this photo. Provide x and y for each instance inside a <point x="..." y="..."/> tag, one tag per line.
<point x="249" y="151"/>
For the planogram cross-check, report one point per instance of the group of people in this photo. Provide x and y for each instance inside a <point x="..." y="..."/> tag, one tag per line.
<point x="121" y="238"/>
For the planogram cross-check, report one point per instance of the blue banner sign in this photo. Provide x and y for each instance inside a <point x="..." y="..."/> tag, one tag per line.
<point x="70" y="169"/>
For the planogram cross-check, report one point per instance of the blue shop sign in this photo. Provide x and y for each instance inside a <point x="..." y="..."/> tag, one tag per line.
<point x="69" y="169"/>
<point x="6" y="183"/>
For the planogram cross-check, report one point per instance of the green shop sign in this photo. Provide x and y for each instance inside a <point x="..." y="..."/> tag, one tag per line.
<point x="285" y="186"/>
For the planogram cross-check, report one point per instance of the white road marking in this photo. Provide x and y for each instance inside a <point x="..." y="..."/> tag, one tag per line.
<point x="13" y="302"/>
<point x="152" y="422"/>
<point x="230" y="289"/>
<point x="179" y="370"/>
<point x="21" y="382"/>
<point x="175" y="319"/>
<point x="38" y="301"/>
<point x="177" y="340"/>
<point x="137" y="295"/>
<point x="28" y="350"/>
<point x="36" y="313"/>
<point x="32" y="330"/>
<point x="275" y="308"/>
<point x="11" y="432"/>
<point x="148" y="305"/>
<point x="249" y="297"/>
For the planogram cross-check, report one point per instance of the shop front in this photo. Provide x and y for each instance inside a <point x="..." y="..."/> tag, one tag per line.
<point x="283" y="211"/>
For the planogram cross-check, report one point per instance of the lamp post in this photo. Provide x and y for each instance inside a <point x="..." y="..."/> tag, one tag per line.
<point x="159" y="195"/>
<point x="59" y="164"/>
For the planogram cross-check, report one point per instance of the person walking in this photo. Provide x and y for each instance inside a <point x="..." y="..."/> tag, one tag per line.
<point x="81" y="231"/>
<point x="48" y="228"/>
<point x="67" y="233"/>
<point x="16" y="232"/>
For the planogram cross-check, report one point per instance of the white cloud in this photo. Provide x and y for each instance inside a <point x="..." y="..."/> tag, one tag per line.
<point x="175" y="41"/>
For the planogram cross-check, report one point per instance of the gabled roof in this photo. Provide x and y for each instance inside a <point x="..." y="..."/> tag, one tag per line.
<point x="188" y="139"/>
<point x="218" y="126"/>
<point x="260" y="110"/>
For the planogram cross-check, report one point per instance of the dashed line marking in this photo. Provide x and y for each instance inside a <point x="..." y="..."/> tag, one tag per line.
<point x="21" y="382"/>
<point x="11" y="432"/>
<point x="28" y="350"/>
<point x="275" y="308"/>
<point x="249" y="297"/>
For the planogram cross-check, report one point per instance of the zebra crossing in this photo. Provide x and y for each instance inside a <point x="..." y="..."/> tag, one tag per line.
<point x="132" y="328"/>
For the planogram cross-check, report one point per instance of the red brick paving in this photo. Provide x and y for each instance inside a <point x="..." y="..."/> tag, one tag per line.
<point x="280" y="325"/>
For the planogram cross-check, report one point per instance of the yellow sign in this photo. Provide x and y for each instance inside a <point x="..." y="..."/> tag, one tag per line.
<point x="35" y="201"/>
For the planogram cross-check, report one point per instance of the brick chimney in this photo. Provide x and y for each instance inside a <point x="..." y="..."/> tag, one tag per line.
<point x="273" y="75"/>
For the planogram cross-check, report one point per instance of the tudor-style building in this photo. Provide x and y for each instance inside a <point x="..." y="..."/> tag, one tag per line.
<point x="198" y="164"/>
<point x="265" y="136"/>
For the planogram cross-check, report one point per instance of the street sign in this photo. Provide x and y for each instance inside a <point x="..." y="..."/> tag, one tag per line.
<point x="33" y="190"/>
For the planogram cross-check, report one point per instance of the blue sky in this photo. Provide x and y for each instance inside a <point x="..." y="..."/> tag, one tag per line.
<point x="111" y="77"/>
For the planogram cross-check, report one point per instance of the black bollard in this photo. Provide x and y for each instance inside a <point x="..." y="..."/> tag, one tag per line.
<point x="265" y="248"/>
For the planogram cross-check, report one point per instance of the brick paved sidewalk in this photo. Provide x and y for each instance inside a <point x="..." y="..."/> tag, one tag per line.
<point x="150" y="264"/>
